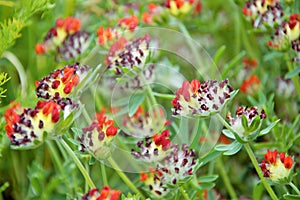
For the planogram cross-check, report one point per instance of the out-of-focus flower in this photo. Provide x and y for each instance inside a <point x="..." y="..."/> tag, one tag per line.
<point x="178" y="7"/>
<point x="285" y="88"/>
<point x="144" y="123"/>
<point x="286" y="33"/>
<point x="106" y="35"/>
<point x="97" y="137"/>
<point x="276" y="166"/>
<point x="154" y="148"/>
<point x="129" y="23"/>
<point x="155" y="182"/>
<point x="203" y="99"/>
<point x="178" y="165"/>
<point x="252" y="121"/>
<point x="105" y="194"/>
<point x="264" y="12"/>
<point x="250" y="85"/>
<point x="250" y="63"/>
<point x="124" y="55"/>
<point x="31" y="127"/>
<point x="64" y="40"/>
<point x="60" y="83"/>
<point x="296" y="47"/>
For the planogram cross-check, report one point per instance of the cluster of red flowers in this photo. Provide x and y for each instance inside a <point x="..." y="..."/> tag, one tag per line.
<point x="105" y="194"/>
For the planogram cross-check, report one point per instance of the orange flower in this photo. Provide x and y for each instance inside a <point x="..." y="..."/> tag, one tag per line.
<point x="129" y="22"/>
<point x="105" y="194"/>
<point x="250" y="85"/>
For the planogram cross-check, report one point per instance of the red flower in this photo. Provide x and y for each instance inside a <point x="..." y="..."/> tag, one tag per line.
<point x="129" y="22"/>
<point x="276" y="165"/>
<point x="105" y="194"/>
<point x="250" y="85"/>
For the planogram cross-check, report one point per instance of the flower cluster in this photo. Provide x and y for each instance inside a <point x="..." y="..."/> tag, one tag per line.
<point x="203" y="99"/>
<point x="60" y="83"/>
<point x="29" y="128"/>
<point x="178" y="7"/>
<point x="264" y="13"/>
<point x="105" y="194"/>
<point x="124" y="55"/>
<point x="153" y="148"/>
<point x="250" y="85"/>
<point x="179" y="164"/>
<point x="276" y="166"/>
<point x="286" y="34"/>
<point x="250" y="115"/>
<point x="65" y="40"/>
<point x="97" y="137"/>
<point x="144" y="123"/>
<point x="173" y="169"/>
<point x="155" y="182"/>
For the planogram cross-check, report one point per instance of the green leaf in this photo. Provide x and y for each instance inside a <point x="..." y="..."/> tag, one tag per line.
<point x="258" y="191"/>
<point x="208" y="178"/>
<point x="268" y="129"/>
<point x="209" y="157"/>
<point x="291" y="197"/>
<point x="228" y="134"/>
<point x="245" y="122"/>
<point x="292" y="73"/>
<point x="134" y="102"/>
<point x="236" y="147"/>
<point x="222" y="147"/>
<point x="254" y="124"/>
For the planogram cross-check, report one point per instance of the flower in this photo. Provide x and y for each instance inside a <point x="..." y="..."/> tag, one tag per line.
<point x="153" y="148"/>
<point x="264" y="12"/>
<point x="155" y="181"/>
<point x="249" y="63"/>
<point x="129" y="23"/>
<point x="60" y="83"/>
<point x="286" y="34"/>
<point x="296" y="48"/>
<point x="276" y="166"/>
<point x="284" y="88"/>
<point x="105" y="194"/>
<point x="178" y="165"/>
<point x="204" y="99"/>
<point x="97" y="137"/>
<point x="178" y="7"/>
<point x="144" y="123"/>
<point x="30" y="128"/>
<point x="250" y="85"/>
<point x="65" y="40"/>
<point x="124" y="55"/>
<point x="106" y="35"/>
<point x="250" y="115"/>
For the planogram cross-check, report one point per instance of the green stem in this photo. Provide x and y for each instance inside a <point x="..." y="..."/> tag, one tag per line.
<point x="78" y="163"/>
<point x="103" y="173"/>
<point x="55" y="156"/>
<point x="294" y="187"/>
<point x="295" y="79"/>
<point x="184" y="194"/>
<point x="225" y="178"/>
<point x="164" y="96"/>
<point x="258" y="170"/>
<point x="124" y="177"/>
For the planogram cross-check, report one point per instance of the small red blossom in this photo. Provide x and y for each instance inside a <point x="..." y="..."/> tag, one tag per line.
<point x="162" y="140"/>
<point x="39" y="49"/>
<point x="251" y="84"/>
<point x="250" y="63"/>
<point x="276" y="165"/>
<point x="129" y="22"/>
<point x="105" y="194"/>
<point x="147" y="18"/>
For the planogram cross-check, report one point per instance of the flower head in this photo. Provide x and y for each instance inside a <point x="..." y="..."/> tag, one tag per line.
<point x="179" y="164"/>
<point x="144" y="123"/>
<point x="276" y="166"/>
<point x="105" y="194"/>
<point x="264" y="12"/>
<point x="129" y="23"/>
<point x="105" y="35"/>
<point x="153" y="148"/>
<point x="250" y="85"/>
<point x="98" y="136"/>
<point x="60" y="83"/>
<point x="250" y="114"/>
<point x="30" y="128"/>
<point x="65" y="39"/>
<point x="155" y="181"/>
<point x="124" y="55"/>
<point x="286" y="33"/>
<point x="178" y="7"/>
<point x="195" y="98"/>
